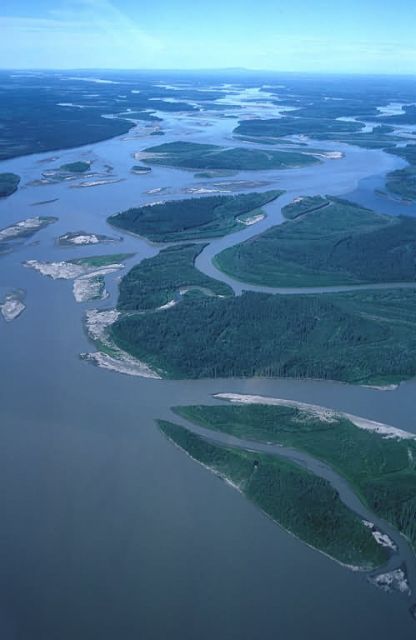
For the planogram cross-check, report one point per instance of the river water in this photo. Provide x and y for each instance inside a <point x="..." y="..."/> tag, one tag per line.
<point x="107" y="530"/>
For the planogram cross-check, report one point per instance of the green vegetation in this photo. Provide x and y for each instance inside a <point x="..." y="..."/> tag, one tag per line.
<point x="289" y="126"/>
<point x="403" y="181"/>
<point x="317" y="128"/>
<point x="156" y="281"/>
<point x="337" y="244"/>
<point x="76" y="167"/>
<point x="381" y="469"/>
<point x="302" y="205"/>
<point x="140" y="169"/>
<point x="408" y="117"/>
<point x="219" y="173"/>
<point x="192" y="218"/>
<point x="299" y="501"/>
<point x="191" y="155"/>
<point x="365" y="337"/>
<point x="102" y="261"/>
<point x="8" y="184"/>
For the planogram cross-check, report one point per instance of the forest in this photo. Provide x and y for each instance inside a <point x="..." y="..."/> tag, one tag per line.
<point x="8" y="184"/>
<point x="156" y="281"/>
<point x="402" y="182"/>
<point x="338" y="244"/>
<point x="193" y="218"/>
<point x="299" y="501"/>
<point x="380" y="469"/>
<point x="192" y="155"/>
<point x="366" y="337"/>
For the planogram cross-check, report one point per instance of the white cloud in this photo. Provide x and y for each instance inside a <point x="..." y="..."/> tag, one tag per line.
<point x="89" y="33"/>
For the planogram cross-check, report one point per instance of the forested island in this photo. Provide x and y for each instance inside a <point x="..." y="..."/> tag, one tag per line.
<point x="76" y="167"/>
<point x="192" y="218"/>
<point x="298" y="500"/>
<point x="192" y="155"/>
<point x="365" y="337"/>
<point x="8" y="184"/>
<point x="319" y="128"/>
<point x="376" y="460"/>
<point x="336" y="243"/>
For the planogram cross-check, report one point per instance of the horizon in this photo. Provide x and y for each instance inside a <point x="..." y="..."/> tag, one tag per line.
<point x="242" y="70"/>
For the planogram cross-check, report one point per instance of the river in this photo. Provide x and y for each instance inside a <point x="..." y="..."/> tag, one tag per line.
<point x="107" y="530"/>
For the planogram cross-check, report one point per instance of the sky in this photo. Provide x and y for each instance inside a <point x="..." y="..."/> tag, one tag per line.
<point x="323" y="36"/>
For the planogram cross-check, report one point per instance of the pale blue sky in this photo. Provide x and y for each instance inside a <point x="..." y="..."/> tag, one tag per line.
<point x="364" y="36"/>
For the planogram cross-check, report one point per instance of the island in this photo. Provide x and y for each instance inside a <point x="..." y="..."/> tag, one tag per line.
<point x="8" y="184"/>
<point x="377" y="460"/>
<point x="76" y="167"/>
<point x="83" y="238"/>
<point x="140" y="170"/>
<point x="192" y="155"/>
<point x="192" y="218"/>
<point x="347" y="131"/>
<point x="302" y="503"/>
<point x="363" y="337"/>
<point x="289" y="126"/>
<point x="11" y="236"/>
<point x="87" y="273"/>
<point x="336" y="243"/>
<point x="12" y="306"/>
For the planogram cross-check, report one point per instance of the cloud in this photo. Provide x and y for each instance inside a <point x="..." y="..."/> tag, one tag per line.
<point x="87" y="33"/>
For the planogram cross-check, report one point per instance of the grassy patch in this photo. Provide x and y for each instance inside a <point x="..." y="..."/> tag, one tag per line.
<point x="102" y="261"/>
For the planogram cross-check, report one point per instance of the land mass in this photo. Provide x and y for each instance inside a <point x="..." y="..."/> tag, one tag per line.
<point x="191" y="218"/>
<point x="8" y="184"/>
<point x="402" y="182"/>
<point x="336" y="243"/>
<point x="191" y="155"/>
<point x="378" y="462"/>
<point x="157" y="281"/>
<point x="299" y="501"/>
<point x="366" y="337"/>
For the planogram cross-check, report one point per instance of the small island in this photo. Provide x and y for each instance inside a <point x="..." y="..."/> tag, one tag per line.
<point x="140" y="170"/>
<point x="87" y="273"/>
<point x="193" y="218"/>
<point x="76" y="167"/>
<point x="12" y="306"/>
<point x="192" y="155"/>
<point x="8" y="184"/>
<point x="10" y="236"/>
<point x="84" y="238"/>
